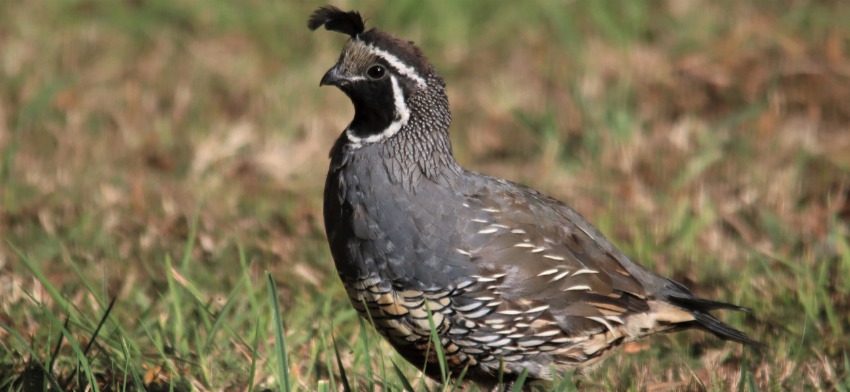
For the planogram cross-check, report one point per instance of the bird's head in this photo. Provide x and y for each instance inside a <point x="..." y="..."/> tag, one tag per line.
<point x="388" y="80"/>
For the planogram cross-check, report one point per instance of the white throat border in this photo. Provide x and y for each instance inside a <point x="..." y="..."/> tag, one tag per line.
<point x="402" y="117"/>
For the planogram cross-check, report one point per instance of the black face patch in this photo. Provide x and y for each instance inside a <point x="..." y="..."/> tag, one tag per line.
<point x="374" y="106"/>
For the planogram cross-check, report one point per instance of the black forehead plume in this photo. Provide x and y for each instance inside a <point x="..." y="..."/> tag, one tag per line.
<point x="335" y="19"/>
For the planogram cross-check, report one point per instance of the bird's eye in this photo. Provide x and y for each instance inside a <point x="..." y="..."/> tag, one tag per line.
<point x="376" y="72"/>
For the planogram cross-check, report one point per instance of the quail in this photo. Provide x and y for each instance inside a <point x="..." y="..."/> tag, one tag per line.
<point x="512" y="280"/>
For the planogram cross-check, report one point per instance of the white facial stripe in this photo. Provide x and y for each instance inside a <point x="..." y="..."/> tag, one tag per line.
<point x="402" y="113"/>
<point x="396" y="63"/>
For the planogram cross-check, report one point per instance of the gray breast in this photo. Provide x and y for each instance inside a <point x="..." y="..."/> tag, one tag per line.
<point x="378" y="228"/>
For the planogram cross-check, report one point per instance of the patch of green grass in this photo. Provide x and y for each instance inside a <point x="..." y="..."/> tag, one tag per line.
<point x="168" y="155"/>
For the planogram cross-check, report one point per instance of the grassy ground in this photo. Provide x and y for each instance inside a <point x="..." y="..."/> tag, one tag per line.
<point x="168" y="154"/>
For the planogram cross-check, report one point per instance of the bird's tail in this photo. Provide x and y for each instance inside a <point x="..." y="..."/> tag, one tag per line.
<point x="700" y="308"/>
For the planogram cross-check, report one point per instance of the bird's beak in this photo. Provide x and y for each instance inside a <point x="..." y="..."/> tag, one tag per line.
<point x="332" y="78"/>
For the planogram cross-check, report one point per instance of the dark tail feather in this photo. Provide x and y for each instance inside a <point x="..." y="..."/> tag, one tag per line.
<point x="701" y="307"/>
<point x="723" y="330"/>
<point x="704" y="305"/>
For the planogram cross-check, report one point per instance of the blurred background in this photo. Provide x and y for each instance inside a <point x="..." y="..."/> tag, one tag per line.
<point x="168" y="153"/>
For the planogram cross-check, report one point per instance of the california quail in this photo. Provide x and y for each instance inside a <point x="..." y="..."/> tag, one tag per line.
<point x="513" y="279"/>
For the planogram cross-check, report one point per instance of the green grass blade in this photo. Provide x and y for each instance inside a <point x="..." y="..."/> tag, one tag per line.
<point x="438" y="346"/>
<point x="346" y="387"/>
<point x="365" y="348"/>
<point x="566" y="384"/>
<point x="254" y="349"/>
<point x="501" y="376"/>
<point x="324" y="386"/>
<point x="246" y="276"/>
<point x="323" y="340"/>
<point x="751" y="382"/>
<point x="280" y="343"/>
<point x="404" y="382"/>
<point x="124" y="372"/>
<point x="219" y="320"/>
<point x="137" y="379"/>
<point x="459" y="380"/>
<point x="744" y="372"/>
<point x="177" y="322"/>
<point x="160" y="348"/>
<point x="82" y="277"/>
<point x="190" y="242"/>
<point x="49" y="287"/>
<point x="424" y="370"/>
<point x="520" y="381"/>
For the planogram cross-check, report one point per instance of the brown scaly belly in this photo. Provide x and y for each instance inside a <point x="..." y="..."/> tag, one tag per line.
<point x="472" y="339"/>
<point x="402" y="318"/>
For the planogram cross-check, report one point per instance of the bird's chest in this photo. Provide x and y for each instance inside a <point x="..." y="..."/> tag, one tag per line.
<point x="377" y="227"/>
<point x="363" y="215"/>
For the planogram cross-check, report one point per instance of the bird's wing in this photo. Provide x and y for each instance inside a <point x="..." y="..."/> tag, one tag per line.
<point x="534" y="252"/>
